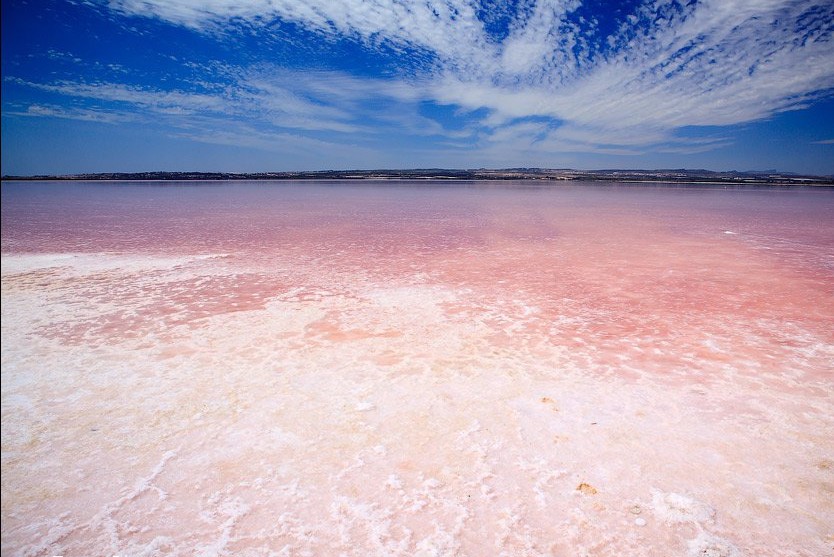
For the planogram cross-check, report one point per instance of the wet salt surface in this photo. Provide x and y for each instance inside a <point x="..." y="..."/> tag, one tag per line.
<point x="416" y="369"/>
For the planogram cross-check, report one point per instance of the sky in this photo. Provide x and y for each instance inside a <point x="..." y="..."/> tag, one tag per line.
<point x="278" y="85"/>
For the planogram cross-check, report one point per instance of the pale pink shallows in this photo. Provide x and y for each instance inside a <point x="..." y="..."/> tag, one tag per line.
<point x="416" y="369"/>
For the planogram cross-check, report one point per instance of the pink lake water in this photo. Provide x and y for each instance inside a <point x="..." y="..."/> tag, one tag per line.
<point x="426" y="369"/>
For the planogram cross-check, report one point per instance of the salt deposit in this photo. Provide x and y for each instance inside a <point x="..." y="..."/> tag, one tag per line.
<point x="454" y="372"/>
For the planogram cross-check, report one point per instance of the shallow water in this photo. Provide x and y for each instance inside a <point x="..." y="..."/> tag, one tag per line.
<point x="411" y="368"/>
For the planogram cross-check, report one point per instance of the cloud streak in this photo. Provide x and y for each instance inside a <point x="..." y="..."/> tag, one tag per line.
<point x="534" y="75"/>
<point x="667" y="64"/>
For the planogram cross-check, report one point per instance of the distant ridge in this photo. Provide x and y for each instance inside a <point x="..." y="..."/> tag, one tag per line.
<point x="666" y="175"/>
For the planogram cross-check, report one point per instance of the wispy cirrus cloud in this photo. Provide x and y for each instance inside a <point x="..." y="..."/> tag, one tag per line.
<point x="69" y="113"/>
<point x="164" y="101"/>
<point x="664" y="65"/>
<point x="527" y="77"/>
<point x="278" y="103"/>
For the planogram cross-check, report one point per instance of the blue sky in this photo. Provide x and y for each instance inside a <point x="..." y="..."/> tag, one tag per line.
<point x="259" y="85"/>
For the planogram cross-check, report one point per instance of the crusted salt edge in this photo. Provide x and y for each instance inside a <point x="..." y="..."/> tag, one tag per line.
<point x="472" y="395"/>
<point x="674" y="507"/>
<point x="709" y="545"/>
<point x="76" y="264"/>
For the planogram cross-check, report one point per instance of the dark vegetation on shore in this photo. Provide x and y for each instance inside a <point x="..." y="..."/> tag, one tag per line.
<point x="677" y="175"/>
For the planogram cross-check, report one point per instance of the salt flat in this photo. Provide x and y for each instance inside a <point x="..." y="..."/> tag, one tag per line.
<point x="341" y="369"/>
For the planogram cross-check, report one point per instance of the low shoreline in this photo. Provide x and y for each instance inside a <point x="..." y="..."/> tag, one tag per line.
<point x="541" y="175"/>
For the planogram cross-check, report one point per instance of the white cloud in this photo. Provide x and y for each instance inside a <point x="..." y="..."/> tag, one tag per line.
<point x="169" y="102"/>
<point x="447" y="27"/>
<point x="667" y="66"/>
<point x="54" y="111"/>
<point x="242" y="135"/>
<point x="275" y="102"/>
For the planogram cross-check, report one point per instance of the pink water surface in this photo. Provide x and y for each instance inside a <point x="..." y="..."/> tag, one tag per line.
<point x="404" y="368"/>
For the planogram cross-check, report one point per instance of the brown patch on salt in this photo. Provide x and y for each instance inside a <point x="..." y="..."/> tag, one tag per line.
<point x="586" y="489"/>
<point x="550" y="402"/>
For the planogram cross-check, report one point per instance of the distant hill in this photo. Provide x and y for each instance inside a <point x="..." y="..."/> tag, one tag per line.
<point x="670" y="175"/>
